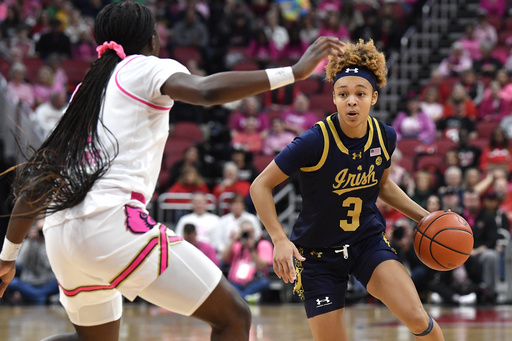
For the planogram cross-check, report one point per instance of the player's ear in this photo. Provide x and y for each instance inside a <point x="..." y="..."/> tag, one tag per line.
<point x="375" y="96"/>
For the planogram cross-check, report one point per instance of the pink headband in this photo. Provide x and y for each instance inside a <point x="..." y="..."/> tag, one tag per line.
<point x="113" y="46"/>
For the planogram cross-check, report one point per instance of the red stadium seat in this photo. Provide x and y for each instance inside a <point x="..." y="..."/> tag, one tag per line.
<point x="188" y="131"/>
<point x="33" y="64"/>
<point x="322" y="102"/>
<point x="245" y="65"/>
<point x="309" y="86"/>
<point x="427" y="162"/>
<point x="262" y="161"/>
<point x="484" y="129"/>
<point x="75" y="70"/>
<point x="410" y="147"/>
<point x="184" y="53"/>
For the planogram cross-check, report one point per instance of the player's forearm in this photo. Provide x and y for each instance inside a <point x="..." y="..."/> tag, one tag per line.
<point x="394" y="196"/>
<point x="22" y="218"/>
<point x="263" y="201"/>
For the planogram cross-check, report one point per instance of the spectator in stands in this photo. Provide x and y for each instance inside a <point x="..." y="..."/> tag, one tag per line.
<point x="437" y="81"/>
<point x="491" y="202"/>
<point x="299" y="118"/>
<point x="487" y="65"/>
<point x="331" y="25"/>
<point x="391" y="216"/>
<point x="399" y="174"/>
<point x="243" y="159"/>
<point x="249" y="107"/>
<point x="494" y="7"/>
<point x="229" y="224"/>
<point x="498" y="155"/>
<point x="473" y="181"/>
<point x="371" y="29"/>
<point x="481" y="265"/>
<point x="23" y="42"/>
<point x="190" y="181"/>
<point x="85" y="48"/>
<point x="473" y="86"/>
<point x="190" y="31"/>
<point x="45" y="85"/>
<point x="76" y="26"/>
<point x="450" y="200"/>
<point x="37" y="281"/>
<point x="493" y="106"/>
<point x="278" y="138"/>
<point x="49" y="113"/>
<point x="230" y="182"/>
<point x="413" y="123"/>
<point x="274" y="31"/>
<point x="431" y="105"/>
<point x="191" y="158"/>
<point x="460" y="104"/>
<point x="42" y="25"/>
<point x="9" y="25"/>
<point x="470" y="42"/>
<point x="262" y="50"/>
<point x="60" y="77"/>
<point x="203" y="220"/>
<point x="309" y="27"/>
<point x="190" y="235"/>
<point x="54" y="41"/>
<point x="391" y="26"/>
<point x="457" y="61"/>
<point x="424" y="184"/>
<point x="469" y="155"/>
<point x="503" y="78"/>
<point x="351" y="17"/>
<point x="484" y="30"/>
<point x="250" y="259"/>
<point x="19" y="86"/>
<point x="433" y="203"/>
<point x="250" y="139"/>
<point x="452" y="181"/>
<point x="506" y="126"/>
<point x="325" y="6"/>
<point x="295" y="47"/>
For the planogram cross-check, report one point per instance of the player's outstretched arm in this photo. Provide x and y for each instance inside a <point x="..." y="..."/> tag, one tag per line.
<point x="229" y="86"/>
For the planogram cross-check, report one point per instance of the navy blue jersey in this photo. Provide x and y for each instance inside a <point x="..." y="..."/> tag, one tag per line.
<point x="339" y="180"/>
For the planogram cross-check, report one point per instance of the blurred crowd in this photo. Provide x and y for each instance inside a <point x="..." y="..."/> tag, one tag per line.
<point x="453" y="149"/>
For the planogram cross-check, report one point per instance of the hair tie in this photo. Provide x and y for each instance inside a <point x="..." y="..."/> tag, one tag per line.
<point x="112" y="46"/>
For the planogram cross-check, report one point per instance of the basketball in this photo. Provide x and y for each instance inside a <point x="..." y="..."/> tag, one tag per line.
<point x="443" y="240"/>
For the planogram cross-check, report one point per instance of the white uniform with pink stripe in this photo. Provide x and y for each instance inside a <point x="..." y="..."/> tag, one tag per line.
<point x="108" y="245"/>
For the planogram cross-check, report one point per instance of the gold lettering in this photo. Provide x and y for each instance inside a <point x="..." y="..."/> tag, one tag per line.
<point x="349" y="182"/>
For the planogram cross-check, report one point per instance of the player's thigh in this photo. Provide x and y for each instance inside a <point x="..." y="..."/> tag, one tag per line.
<point x="329" y="326"/>
<point x="391" y="284"/>
<point x="188" y="281"/>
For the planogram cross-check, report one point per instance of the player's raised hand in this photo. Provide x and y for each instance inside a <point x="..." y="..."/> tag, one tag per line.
<point x="320" y="49"/>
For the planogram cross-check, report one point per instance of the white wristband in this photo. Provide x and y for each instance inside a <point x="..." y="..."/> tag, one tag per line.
<point x="10" y="250"/>
<point x="279" y="77"/>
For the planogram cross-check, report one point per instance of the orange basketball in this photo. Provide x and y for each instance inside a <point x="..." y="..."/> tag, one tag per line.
<point x="443" y="240"/>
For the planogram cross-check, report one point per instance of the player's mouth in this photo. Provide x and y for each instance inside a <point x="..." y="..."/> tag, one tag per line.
<point x="352" y="114"/>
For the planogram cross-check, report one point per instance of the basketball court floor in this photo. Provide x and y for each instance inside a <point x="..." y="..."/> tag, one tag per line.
<point x="366" y="322"/>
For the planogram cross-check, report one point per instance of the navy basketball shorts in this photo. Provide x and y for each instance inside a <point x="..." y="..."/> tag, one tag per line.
<point x="323" y="277"/>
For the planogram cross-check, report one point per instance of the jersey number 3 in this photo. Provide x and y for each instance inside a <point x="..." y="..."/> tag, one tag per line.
<point x="355" y="205"/>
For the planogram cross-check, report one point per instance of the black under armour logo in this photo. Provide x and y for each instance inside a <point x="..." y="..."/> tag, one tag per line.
<point x="357" y="155"/>
<point x="354" y="70"/>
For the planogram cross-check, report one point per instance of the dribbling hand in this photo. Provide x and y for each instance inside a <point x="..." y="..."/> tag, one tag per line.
<point x="7" y="272"/>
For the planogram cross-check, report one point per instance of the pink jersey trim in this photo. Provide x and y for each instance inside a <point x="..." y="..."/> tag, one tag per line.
<point x="154" y="106"/>
<point x="164" y="242"/>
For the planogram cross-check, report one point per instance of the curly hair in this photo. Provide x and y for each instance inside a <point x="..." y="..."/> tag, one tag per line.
<point x="359" y="54"/>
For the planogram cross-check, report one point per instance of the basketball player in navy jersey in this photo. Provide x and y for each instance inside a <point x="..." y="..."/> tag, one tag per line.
<point x="343" y="163"/>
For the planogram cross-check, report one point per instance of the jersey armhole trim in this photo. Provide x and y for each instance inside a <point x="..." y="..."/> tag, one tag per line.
<point x="381" y="140"/>
<point x="324" y="153"/>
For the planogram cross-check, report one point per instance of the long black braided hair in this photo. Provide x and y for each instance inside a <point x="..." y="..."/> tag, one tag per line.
<point x="61" y="172"/>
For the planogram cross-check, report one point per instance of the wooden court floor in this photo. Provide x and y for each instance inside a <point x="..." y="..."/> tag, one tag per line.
<point x="366" y="322"/>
